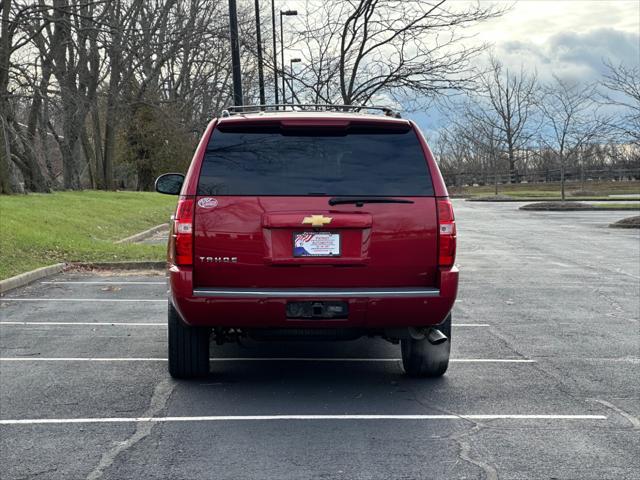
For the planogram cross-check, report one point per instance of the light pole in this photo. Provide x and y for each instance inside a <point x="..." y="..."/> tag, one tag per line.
<point x="259" y="40"/>
<point x="275" y="52"/>
<point x="284" y="13"/>
<point x="291" y="62"/>
<point x="235" y="53"/>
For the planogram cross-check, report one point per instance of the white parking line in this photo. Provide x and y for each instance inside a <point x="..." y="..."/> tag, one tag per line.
<point x="114" y="282"/>
<point x="226" y="418"/>
<point x="14" y="299"/>
<point x="492" y="360"/>
<point x="254" y="359"/>
<point x="79" y="359"/>
<point x="5" y="299"/>
<point x="99" y="324"/>
<point x="162" y="324"/>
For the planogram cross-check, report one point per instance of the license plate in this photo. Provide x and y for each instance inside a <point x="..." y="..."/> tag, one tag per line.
<point x="316" y="244"/>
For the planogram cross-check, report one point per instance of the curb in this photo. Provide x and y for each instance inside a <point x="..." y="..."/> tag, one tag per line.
<point x="146" y="234"/>
<point x="579" y="209"/>
<point x="39" y="273"/>
<point x="542" y="199"/>
<point x="28" y="277"/>
<point x="143" y="265"/>
<point x="613" y="225"/>
<point x="627" y="222"/>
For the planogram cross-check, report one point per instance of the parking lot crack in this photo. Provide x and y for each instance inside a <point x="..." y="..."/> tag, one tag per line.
<point x="464" y="452"/>
<point x="38" y="473"/>
<point x="507" y="342"/>
<point x="635" y="421"/>
<point x="157" y="404"/>
<point x="547" y="372"/>
<point x="461" y="439"/>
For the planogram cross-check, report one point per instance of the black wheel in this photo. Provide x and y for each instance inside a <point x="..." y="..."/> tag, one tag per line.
<point x="422" y="359"/>
<point x="188" y="348"/>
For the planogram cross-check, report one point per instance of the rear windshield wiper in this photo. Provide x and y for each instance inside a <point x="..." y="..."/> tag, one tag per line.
<point x="360" y="201"/>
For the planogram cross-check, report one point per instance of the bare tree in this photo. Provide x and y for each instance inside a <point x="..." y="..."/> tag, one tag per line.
<point x="565" y="133"/>
<point x="6" y="47"/>
<point x="106" y="79"/>
<point x="361" y="51"/>
<point x="486" y="138"/>
<point x="571" y="121"/>
<point x="78" y="71"/>
<point x="70" y="47"/>
<point x="473" y="146"/>
<point x="622" y="90"/>
<point x="506" y="107"/>
<point x="16" y="78"/>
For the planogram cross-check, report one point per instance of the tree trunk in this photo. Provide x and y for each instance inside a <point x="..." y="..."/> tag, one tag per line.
<point x="512" y="165"/>
<point x="562" y="177"/>
<point x="29" y="167"/>
<point x="110" y="126"/>
<point x="70" y="170"/>
<point x="89" y="155"/>
<point x="35" y="181"/>
<point x="97" y="148"/>
<point x="5" y="146"/>
<point x="109" y="147"/>
<point x="145" y="175"/>
<point x="5" y="155"/>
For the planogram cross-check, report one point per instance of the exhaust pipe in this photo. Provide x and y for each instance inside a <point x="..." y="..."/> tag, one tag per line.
<point x="436" y="337"/>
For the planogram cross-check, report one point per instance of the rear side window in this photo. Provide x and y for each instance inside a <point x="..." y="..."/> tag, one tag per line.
<point x="271" y="161"/>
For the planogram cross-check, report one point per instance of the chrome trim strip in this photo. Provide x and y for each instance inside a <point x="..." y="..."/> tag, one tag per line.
<point x="319" y="292"/>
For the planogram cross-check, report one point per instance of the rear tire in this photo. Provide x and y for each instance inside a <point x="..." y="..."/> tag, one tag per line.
<point x="188" y="348"/>
<point x="422" y="359"/>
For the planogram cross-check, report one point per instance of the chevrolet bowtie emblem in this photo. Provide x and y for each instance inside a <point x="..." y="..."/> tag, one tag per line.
<point x="317" y="220"/>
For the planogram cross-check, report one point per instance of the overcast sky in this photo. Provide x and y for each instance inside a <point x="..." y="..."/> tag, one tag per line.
<point x="566" y="37"/>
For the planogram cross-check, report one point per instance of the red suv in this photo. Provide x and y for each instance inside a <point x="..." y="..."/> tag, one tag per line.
<point x="305" y="225"/>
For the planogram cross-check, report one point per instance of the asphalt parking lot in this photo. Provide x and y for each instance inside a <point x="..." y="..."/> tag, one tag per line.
<point x="544" y="381"/>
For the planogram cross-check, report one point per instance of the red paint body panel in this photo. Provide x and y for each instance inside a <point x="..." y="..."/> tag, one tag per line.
<point x="339" y="219"/>
<point x="382" y="245"/>
<point x="398" y="251"/>
<point x="368" y="312"/>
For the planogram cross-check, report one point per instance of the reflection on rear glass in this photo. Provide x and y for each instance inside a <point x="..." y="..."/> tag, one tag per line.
<point x="272" y="163"/>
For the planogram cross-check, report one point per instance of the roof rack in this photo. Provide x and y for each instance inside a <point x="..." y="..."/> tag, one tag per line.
<point x="305" y="107"/>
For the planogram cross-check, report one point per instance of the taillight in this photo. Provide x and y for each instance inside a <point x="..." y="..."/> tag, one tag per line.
<point x="183" y="232"/>
<point x="446" y="233"/>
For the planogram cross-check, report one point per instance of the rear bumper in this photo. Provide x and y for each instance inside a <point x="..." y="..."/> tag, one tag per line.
<point x="316" y="293"/>
<point x="382" y="307"/>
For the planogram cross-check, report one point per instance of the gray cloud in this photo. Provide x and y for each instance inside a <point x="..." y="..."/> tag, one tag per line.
<point x="573" y="56"/>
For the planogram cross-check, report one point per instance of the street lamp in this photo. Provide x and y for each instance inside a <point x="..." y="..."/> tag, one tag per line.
<point x="275" y="52"/>
<point x="284" y="13"/>
<point x="235" y="53"/>
<point x="259" y="42"/>
<point x="291" y="62"/>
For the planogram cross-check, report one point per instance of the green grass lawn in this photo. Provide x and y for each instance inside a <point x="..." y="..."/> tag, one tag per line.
<point x="617" y="206"/>
<point x="42" y="229"/>
<point x="552" y="190"/>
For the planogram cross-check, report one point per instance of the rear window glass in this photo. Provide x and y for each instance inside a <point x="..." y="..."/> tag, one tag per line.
<point x="271" y="161"/>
